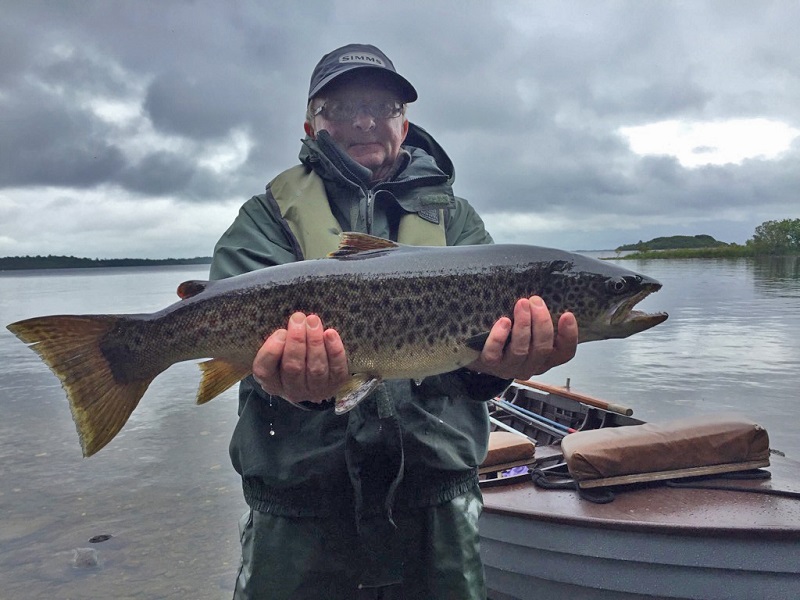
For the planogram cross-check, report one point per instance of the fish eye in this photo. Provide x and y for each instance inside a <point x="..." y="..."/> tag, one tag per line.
<point x="620" y="285"/>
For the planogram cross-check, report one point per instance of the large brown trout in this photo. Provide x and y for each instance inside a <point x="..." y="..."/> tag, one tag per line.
<point x="401" y="311"/>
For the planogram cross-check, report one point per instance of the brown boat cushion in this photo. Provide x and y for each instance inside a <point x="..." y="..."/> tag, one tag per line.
<point x="685" y="447"/>
<point x="506" y="447"/>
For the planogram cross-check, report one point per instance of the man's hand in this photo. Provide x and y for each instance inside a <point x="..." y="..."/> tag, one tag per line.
<point x="533" y="348"/>
<point x="303" y="362"/>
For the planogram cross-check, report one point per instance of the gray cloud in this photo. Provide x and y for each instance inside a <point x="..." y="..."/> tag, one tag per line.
<point x="44" y="141"/>
<point x="201" y="103"/>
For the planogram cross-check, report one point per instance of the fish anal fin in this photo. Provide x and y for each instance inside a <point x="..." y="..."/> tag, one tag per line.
<point x="187" y="289"/>
<point x="351" y="242"/>
<point x="218" y="376"/>
<point x="70" y="346"/>
<point x="353" y="392"/>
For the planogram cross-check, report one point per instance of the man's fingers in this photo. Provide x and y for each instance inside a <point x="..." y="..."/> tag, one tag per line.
<point x="520" y="345"/>
<point x="564" y="345"/>
<point x="302" y="362"/>
<point x="566" y="342"/>
<point x="326" y="360"/>
<point x="492" y="353"/>
<point x="316" y="355"/>
<point x="293" y="363"/>
<point x="266" y="365"/>
<point x="533" y="347"/>
<point x="541" y="343"/>
<point x="337" y="357"/>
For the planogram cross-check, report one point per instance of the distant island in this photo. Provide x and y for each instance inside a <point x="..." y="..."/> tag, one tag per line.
<point x="674" y="242"/>
<point x="20" y="263"/>
<point x="684" y="246"/>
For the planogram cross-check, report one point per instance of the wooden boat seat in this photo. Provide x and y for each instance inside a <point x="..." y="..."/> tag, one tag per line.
<point x="698" y="446"/>
<point x="507" y="450"/>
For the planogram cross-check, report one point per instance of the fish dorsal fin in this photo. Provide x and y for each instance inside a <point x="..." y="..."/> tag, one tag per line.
<point x="191" y="288"/>
<point x="351" y="243"/>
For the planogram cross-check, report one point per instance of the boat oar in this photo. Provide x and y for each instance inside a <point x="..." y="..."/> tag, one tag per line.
<point x="559" y="431"/>
<point x="566" y="393"/>
<point x="503" y="426"/>
<point x="537" y="416"/>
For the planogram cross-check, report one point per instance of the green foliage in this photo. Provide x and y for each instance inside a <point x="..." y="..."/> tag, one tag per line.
<point x="725" y="251"/>
<point x="776" y="237"/>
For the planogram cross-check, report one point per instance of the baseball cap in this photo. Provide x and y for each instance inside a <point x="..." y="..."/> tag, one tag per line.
<point x="357" y="56"/>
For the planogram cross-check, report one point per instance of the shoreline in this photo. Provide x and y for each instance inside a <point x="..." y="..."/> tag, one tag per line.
<point x="30" y="263"/>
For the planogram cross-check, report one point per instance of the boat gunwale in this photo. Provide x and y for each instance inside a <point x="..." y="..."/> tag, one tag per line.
<point x="772" y="533"/>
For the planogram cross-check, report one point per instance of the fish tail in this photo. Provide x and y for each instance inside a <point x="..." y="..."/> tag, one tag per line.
<point x="71" y="347"/>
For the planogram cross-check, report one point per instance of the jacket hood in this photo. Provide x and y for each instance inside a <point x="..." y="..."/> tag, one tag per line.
<point x="419" y="138"/>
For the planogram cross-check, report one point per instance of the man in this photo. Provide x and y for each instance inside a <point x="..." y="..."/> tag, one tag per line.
<point x="381" y="502"/>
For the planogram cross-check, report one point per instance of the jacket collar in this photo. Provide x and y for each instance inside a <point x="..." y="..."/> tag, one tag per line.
<point x="421" y="156"/>
<point x="422" y="181"/>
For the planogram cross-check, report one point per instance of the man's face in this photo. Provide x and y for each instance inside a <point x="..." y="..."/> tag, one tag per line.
<point x="372" y="142"/>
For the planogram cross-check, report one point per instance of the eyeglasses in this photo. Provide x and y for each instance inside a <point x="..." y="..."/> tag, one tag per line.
<point x="345" y="110"/>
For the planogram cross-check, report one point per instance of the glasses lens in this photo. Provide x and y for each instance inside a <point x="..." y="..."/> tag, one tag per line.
<point x="336" y="110"/>
<point x="385" y="110"/>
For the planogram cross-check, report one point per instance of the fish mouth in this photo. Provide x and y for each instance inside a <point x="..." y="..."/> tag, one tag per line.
<point x="628" y="321"/>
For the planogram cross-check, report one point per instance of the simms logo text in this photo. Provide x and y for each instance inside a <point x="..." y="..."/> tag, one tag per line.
<point x="363" y="57"/>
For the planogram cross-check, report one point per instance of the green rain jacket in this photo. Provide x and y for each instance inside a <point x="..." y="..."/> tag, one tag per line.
<point x="409" y="444"/>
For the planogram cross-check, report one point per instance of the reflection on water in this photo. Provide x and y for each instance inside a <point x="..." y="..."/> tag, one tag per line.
<point x="779" y="274"/>
<point x="165" y="490"/>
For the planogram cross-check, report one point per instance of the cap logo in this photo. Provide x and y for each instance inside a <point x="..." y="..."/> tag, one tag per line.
<point x="361" y="57"/>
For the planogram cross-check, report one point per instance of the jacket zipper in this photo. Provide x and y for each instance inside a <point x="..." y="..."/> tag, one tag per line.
<point x="370" y="204"/>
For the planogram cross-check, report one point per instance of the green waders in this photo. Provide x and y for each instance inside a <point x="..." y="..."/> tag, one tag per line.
<point x="287" y="558"/>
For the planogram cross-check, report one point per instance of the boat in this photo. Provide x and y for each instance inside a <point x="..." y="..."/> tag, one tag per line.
<point x="720" y="539"/>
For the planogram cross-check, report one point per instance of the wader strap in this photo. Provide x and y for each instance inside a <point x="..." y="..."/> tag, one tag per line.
<point x="300" y="194"/>
<point x="303" y="202"/>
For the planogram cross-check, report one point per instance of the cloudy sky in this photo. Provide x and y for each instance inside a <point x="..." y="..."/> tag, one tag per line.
<point x="137" y="128"/>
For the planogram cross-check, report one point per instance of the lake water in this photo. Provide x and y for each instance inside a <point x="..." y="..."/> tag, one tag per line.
<point x="165" y="490"/>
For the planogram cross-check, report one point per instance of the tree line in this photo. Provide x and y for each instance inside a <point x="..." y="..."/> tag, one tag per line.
<point x="776" y="237"/>
<point x="17" y="263"/>
<point x="770" y="238"/>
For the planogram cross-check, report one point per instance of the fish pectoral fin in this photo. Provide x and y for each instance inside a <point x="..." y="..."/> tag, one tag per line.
<point x="218" y="376"/>
<point x="476" y="342"/>
<point x="353" y="392"/>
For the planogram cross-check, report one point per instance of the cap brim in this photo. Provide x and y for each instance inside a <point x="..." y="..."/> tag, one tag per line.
<point x="407" y="91"/>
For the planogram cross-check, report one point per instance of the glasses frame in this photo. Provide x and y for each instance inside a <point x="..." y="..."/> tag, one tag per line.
<point x="368" y="107"/>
